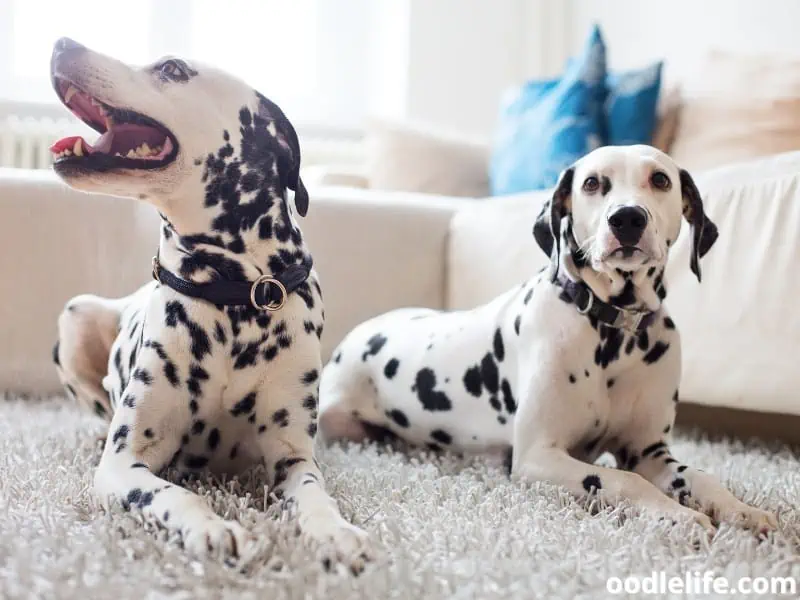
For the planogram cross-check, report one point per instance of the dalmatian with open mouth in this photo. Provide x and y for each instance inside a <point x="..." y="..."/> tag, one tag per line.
<point x="216" y="363"/>
<point x="580" y="360"/>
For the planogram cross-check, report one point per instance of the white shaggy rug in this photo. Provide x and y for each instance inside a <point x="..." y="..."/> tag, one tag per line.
<point x="447" y="528"/>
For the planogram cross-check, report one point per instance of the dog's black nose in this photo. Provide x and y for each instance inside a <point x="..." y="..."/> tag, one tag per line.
<point x="65" y="44"/>
<point x="627" y="224"/>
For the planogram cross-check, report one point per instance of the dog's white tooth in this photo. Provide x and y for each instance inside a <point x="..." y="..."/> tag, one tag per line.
<point x="119" y="154"/>
<point x="145" y="149"/>
<point x="77" y="149"/>
<point x="131" y="154"/>
<point x="71" y="91"/>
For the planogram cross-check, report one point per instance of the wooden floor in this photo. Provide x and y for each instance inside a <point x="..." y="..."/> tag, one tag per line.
<point x="743" y="424"/>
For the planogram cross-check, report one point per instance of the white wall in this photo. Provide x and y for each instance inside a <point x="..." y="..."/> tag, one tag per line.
<point x="446" y="61"/>
<point x="463" y="53"/>
<point x="680" y="31"/>
<point x="449" y="61"/>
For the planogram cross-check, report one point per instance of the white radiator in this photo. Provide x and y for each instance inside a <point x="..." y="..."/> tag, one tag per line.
<point x="25" y="143"/>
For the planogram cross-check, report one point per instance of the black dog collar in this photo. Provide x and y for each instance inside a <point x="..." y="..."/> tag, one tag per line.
<point x="587" y="303"/>
<point x="265" y="293"/>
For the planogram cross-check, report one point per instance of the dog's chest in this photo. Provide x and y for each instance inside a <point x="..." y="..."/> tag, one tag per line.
<point x="212" y="360"/>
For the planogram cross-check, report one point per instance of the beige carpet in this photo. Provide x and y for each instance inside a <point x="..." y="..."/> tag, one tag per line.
<point x="448" y="529"/>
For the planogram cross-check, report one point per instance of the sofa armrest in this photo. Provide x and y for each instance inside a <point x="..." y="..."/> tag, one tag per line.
<point x="57" y="243"/>
<point x="317" y="176"/>
<point x="375" y="251"/>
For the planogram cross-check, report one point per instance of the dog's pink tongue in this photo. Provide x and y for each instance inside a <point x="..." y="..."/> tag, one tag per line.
<point x="67" y="143"/>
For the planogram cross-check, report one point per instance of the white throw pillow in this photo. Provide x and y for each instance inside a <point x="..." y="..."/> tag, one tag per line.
<point x="738" y="107"/>
<point x="415" y="157"/>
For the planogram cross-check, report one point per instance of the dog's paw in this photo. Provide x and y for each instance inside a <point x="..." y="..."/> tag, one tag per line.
<point x="701" y="519"/>
<point x="343" y="543"/>
<point x="217" y="538"/>
<point x="760" y="521"/>
<point x="684" y="514"/>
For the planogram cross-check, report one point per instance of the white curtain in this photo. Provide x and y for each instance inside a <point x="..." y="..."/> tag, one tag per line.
<point x="287" y="49"/>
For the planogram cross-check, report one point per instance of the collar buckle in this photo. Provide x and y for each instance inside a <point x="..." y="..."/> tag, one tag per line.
<point x="156" y="267"/>
<point x="270" y="306"/>
<point x="630" y="320"/>
<point x="589" y="303"/>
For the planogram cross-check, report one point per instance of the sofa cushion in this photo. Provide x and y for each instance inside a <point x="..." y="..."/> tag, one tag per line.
<point x="668" y="119"/>
<point x="632" y="103"/>
<point x="738" y="107"/>
<point x="740" y="327"/>
<point x="407" y="156"/>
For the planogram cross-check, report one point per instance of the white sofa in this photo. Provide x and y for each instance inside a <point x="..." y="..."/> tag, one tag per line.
<point x="379" y="250"/>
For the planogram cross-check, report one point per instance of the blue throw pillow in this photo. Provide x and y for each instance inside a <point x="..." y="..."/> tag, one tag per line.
<point x="632" y="105"/>
<point x="545" y="126"/>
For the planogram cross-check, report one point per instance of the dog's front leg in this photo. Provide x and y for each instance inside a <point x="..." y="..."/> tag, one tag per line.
<point x="542" y="433"/>
<point x="287" y="444"/>
<point x="145" y="435"/>
<point x="554" y="465"/>
<point x="653" y="460"/>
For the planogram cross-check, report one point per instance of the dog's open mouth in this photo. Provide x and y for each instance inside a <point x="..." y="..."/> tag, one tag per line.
<point x="128" y="140"/>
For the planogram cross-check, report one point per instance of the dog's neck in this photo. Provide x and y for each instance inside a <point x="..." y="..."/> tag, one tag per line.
<point x="198" y="256"/>
<point x="236" y="240"/>
<point x="230" y="218"/>
<point x="643" y="289"/>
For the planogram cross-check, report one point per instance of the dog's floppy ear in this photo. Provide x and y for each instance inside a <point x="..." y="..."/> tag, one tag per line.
<point x="703" y="231"/>
<point x="547" y="228"/>
<point x="287" y="137"/>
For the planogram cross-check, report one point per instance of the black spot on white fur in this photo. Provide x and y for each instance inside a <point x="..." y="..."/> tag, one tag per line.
<point x="442" y="436"/>
<point x="431" y="399"/>
<point x="591" y="483"/>
<point x="398" y="416"/>
<point x="656" y="352"/>
<point x="374" y="345"/>
<point x="473" y="382"/>
<point x="390" y="370"/>
<point x="245" y="405"/>
<point x="497" y="344"/>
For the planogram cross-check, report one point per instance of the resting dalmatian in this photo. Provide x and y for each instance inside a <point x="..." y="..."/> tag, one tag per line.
<point x="186" y="382"/>
<point x="579" y="360"/>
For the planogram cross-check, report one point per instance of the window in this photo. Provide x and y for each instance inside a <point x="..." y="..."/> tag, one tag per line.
<point x="286" y="49"/>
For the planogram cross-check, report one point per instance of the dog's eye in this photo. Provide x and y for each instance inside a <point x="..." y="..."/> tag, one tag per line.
<point x="170" y="70"/>
<point x="660" y="181"/>
<point x="592" y="184"/>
